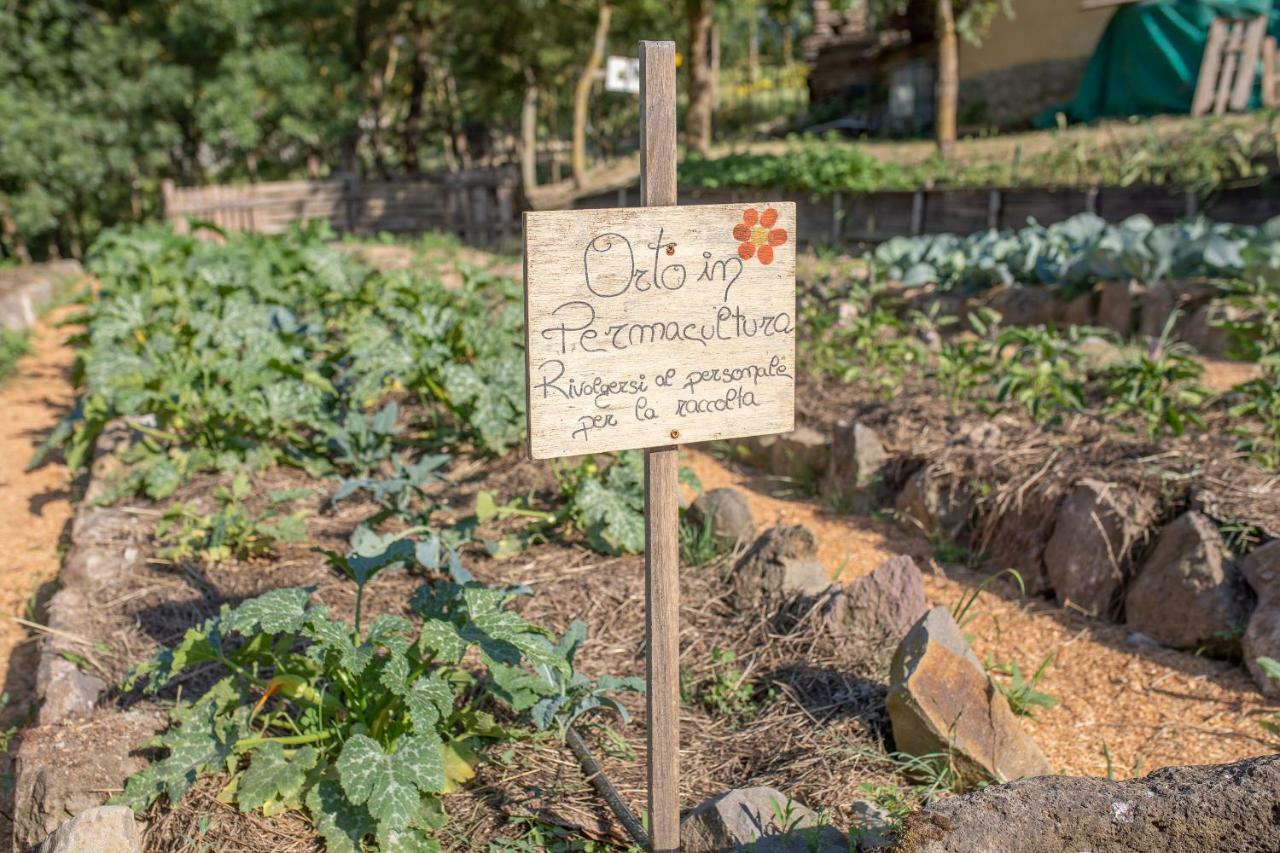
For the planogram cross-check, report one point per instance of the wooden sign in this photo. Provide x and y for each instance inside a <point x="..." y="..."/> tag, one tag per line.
<point x="655" y="326"/>
<point x="651" y="327"/>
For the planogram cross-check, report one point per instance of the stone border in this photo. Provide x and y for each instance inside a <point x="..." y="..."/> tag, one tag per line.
<point x="1106" y="549"/>
<point x="62" y="766"/>
<point x="27" y="290"/>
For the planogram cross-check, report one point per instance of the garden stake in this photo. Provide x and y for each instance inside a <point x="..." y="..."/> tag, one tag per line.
<point x="661" y="512"/>
<point x="649" y="327"/>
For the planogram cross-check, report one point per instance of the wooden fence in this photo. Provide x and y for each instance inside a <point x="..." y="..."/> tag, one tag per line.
<point x="479" y="205"/>
<point x="852" y="218"/>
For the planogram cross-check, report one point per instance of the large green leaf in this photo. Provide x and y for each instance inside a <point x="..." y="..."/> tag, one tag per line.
<point x="391" y="785"/>
<point x="201" y="739"/>
<point x="274" y="776"/>
<point x="430" y="700"/>
<point x="280" y="611"/>
<point x="342" y="824"/>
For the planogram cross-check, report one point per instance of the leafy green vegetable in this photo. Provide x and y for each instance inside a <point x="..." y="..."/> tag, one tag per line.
<point x="1160" y="386"/>
<point x="607" y="504"/>
<point x="365" y="729"/>
<point x="1075" y="253"/>
<point x="232" y="530"/>
<point x="234" y="354"/>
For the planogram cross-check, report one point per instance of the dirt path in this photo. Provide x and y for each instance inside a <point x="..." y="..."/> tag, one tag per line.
<point x="1148" y="707"/>
<point x="34" y="506"/>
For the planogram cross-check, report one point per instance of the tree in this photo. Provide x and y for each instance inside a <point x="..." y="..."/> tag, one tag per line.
<point x="86" y="112"/>
<point x="582" y="93"/>
<point x="953" y="19"/>
<point x="101" y="100"/>
<point x="697" y="130"/>
<point x="947" y="93"/>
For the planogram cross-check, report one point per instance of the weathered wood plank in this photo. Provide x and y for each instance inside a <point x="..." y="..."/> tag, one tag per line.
<point x="1230" y="59"/>
<point x="1242" y="88"/>
<point x="1210" y="65"/>
<point x="685" y="315"/>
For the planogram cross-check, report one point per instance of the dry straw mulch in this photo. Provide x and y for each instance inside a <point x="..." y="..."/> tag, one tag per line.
<point x="816" y="731"/>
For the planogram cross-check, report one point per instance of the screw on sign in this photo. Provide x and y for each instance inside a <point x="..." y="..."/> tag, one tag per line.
<point x="651" y="326"/>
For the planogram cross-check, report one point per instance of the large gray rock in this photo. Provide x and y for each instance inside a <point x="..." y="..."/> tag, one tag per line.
<point x="779" y="565"/>
<point x="1203" y="327"/>
<point x="940" y="699"/>
<point x="1024" y="305"/>
<point x="1215" y="807"/>
<point x="760" y="820"/>
<point x="1188" y="594"/>
<point x="881" y="606"/>
<point x="1086" y="557"/>
<point x="1261" y="570"/>
<point x="855" y="467"/>
<point x="1019" y="542"/>
<point x="938" y="506"/>
<point x="65" y="691"/>
<point x="1262" y="640"/>
<point x="62" y="770"/>
<point x="102" y="829"/>
<point x="1099" y="353"/>
<point x="728" y="513"/>
<point x="801" y="456"/>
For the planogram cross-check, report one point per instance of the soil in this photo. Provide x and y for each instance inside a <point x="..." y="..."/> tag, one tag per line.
<point x="819" y="733"/>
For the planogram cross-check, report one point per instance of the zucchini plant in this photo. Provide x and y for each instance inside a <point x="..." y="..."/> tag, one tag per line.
<point x="365" y="727"/>
<point x="271" y="349"/>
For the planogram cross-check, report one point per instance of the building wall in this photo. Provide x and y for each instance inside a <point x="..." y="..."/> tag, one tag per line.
<point x="1029" y="62"/>
<point x="1012" y="97"/>
<point x="1040" y="31"/>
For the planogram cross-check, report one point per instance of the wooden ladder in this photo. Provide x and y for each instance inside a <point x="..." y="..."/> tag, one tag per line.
<point x="1230" y="62"/>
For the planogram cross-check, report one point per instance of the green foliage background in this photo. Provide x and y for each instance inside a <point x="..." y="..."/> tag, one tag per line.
<point x="100" y="101"/>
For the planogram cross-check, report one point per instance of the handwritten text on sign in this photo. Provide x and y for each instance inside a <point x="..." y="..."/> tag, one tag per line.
<point x="654" y="326"/>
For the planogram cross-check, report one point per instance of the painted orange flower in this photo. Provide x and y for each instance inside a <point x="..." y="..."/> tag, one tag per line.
<point x="756" y="235"/>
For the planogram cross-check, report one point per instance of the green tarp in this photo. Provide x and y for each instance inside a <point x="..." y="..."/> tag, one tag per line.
<point x="1147" y="59"/>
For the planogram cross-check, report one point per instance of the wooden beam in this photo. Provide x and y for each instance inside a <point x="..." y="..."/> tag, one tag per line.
<point x="1270" y="77"/>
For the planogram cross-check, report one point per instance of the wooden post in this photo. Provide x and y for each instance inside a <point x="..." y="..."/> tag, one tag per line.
<point x="573" y="260"/>
<point x="661" y="554"/>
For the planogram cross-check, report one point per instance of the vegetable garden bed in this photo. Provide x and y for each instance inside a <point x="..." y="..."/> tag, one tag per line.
<point x="260" y="409"/>
<point x="300" y="444"/>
